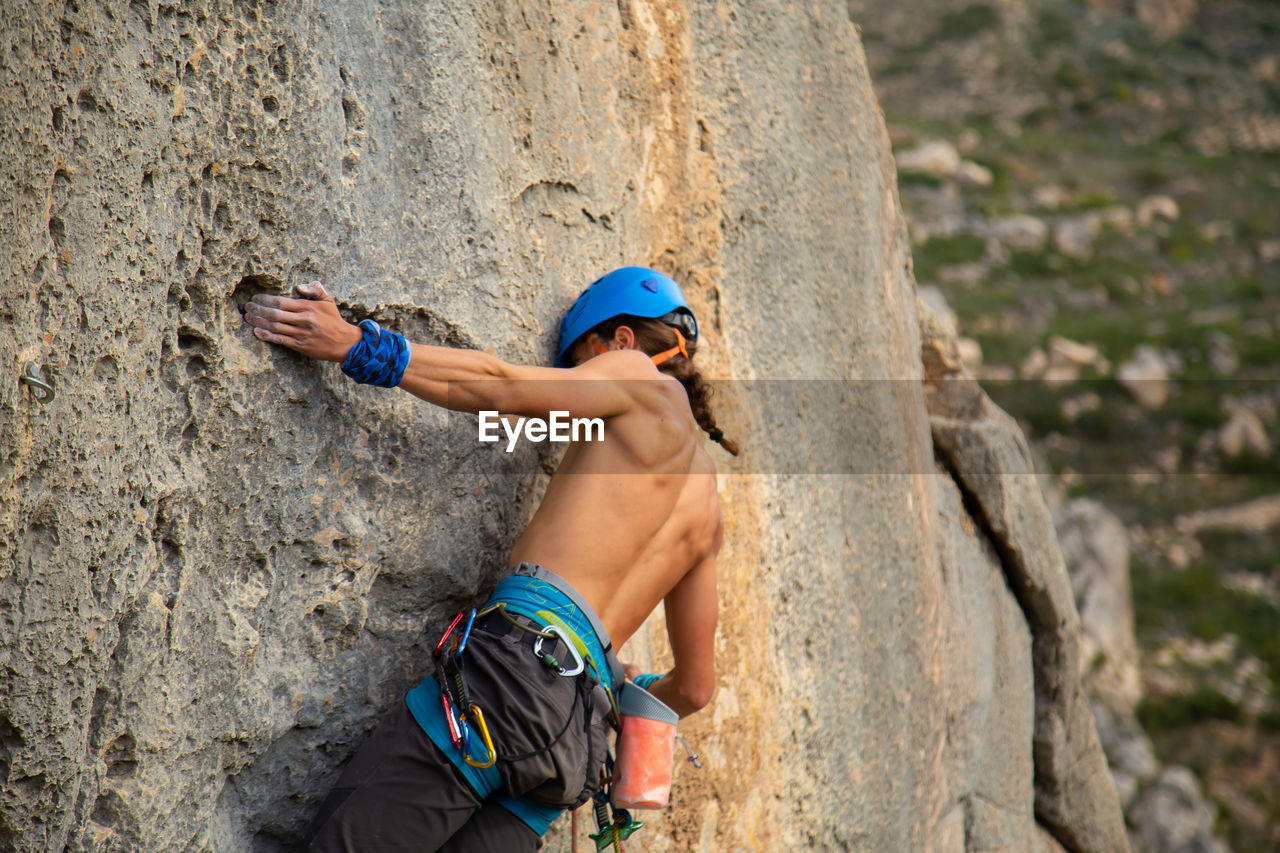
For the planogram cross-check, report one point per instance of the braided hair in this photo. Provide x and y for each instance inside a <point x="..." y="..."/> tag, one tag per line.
<point x="654" y="337"/>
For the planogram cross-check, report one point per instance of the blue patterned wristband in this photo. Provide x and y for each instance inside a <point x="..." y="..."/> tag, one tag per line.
<point x="379" y="358"/>
<point x="646" y="679"/>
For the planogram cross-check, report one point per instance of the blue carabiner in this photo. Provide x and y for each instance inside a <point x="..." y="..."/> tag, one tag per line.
<point x="466" y="635"/>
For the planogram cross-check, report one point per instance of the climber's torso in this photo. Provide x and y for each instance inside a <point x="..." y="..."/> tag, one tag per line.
<point x="626" y="518"/>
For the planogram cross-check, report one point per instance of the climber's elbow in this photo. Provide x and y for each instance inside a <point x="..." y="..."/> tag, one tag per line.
<point x="695" y="695"/>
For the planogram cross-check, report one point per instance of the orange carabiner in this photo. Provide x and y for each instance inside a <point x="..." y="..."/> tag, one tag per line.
<point x="477" y="717"/>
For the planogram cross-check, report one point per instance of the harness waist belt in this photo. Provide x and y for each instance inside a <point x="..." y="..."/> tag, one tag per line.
<point x="537" y="572"/>
<point x="532" y="634"/>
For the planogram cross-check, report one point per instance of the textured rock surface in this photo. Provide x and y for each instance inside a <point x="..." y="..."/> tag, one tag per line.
<point x="1095" y="547"/>
<point x="982" y="446"/>
<point x="219" y="564"/>
<point x="1165" y="809"/>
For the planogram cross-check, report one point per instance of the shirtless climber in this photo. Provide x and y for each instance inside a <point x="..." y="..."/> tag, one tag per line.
<point x="626" y="522"/>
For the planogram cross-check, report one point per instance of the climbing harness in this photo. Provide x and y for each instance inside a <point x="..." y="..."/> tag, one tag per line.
<point x="561" y="649"/>
<point x="465" y="718"/>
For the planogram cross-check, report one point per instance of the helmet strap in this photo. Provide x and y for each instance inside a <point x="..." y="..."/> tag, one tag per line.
<point x="678" y="348"/>
<point x="600" y="348"/>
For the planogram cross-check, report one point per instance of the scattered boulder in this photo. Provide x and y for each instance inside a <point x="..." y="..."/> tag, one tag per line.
<point x="1034" y="365"/>
<point x="1171" y="816"/>
<point x="1021" y="233"/>
<point x="1095" y="547"/>
<point x="1243" y="431"/>
<point x="1049" y="197"/>
<point x="1062" y="361"/>
<point x="964" y="275"/>
<point x="1066" y="357"/>
<point x="1073" y="407"/>
<point x="1074" y="237"/>
<point x="1165" y="18"/>
<point x="974" y="174"/>
<point x="1117" y="217"/>
<point x="935" y="157"/>
<point x="1156" y="207"/>
<point x="1255" y="516"/>
<point x="1146" y="377"/>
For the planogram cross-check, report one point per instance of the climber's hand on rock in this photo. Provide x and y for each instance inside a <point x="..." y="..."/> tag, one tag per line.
<point x="310" y="325"/>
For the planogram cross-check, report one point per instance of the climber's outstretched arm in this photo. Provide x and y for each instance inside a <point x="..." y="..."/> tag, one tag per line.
<point x="460" y="379"/>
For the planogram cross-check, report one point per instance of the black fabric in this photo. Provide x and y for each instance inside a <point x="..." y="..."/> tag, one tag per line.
<point x="400" y="793"/>
<point x="550" y="731"/>
<point x="497" y="624"/>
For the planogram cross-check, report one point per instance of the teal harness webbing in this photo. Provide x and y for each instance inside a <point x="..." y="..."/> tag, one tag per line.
<point x="532" y="570"/>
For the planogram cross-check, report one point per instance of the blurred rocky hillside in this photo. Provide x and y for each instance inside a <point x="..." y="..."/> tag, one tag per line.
<point x="1094" y="189"/>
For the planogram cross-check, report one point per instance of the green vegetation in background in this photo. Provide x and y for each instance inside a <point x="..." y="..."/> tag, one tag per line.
<point x="1170" y="713"/>
<point x="963" y="24"/>
<point x="944" y="251"/>
<point x="1194" y="601"/>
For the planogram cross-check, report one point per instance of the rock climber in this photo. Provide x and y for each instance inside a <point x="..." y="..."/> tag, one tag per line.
<point x="512" y="729"/>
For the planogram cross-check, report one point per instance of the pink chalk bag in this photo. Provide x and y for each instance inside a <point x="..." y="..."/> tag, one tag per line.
<point x="646" y="750"/>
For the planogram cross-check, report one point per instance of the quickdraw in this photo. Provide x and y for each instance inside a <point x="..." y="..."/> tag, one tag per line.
<point x="453" y="696"/>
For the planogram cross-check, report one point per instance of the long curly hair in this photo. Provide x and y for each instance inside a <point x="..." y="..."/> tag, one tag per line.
<point x="654" y="337"/>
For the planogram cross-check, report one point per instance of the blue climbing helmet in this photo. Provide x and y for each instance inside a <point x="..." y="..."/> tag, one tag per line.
<point x="638" y="291"/>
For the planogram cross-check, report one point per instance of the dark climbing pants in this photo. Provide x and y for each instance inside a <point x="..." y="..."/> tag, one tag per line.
<point x="401" y="793"/>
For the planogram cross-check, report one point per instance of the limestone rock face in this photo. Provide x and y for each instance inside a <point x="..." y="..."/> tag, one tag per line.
<point x="220" y="563"/>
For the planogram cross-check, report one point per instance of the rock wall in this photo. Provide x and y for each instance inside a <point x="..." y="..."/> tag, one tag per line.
<point x="219" y="563"/>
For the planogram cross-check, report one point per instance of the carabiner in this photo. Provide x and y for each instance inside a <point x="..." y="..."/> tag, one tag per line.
<point x="573" y="650"/>
<point x="478" y="718"/>
<point x="447" y="634"/>
<point x="466" y="635"/>
<point x="455" y="732"/>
